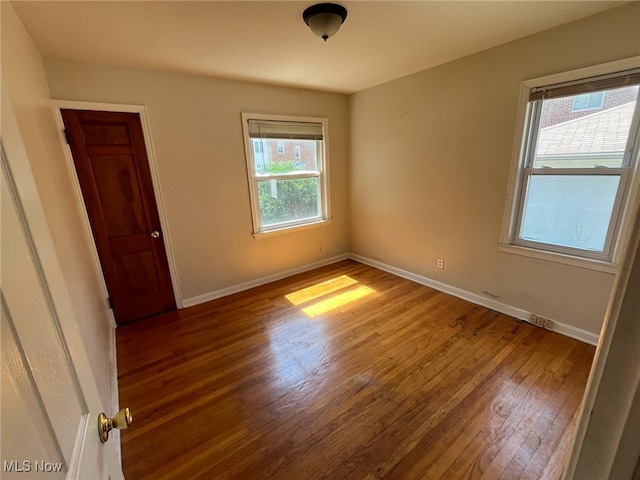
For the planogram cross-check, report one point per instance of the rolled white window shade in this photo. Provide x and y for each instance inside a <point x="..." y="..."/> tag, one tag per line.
<point x="285" y="130"/>
<point x="589" y="85"/>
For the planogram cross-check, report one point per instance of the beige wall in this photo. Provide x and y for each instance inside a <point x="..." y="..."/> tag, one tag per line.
<point x="430" y="159"/>
<point x="197" y="136"/>
<point x="23" y="73"/>
<point x="430" y="156"/>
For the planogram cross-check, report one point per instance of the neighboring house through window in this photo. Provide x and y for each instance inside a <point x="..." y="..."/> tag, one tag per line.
<point x="575" y="179"/>
<point x="287" y="190"/>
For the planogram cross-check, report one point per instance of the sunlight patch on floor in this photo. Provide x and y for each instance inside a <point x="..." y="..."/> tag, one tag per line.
<point x="320" y="289"/>
<point x="337" y="301"/>
<point x="328" y="295"/>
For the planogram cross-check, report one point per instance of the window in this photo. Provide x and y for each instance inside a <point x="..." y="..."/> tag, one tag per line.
<point x="587" y="101"/>
<point x="287" y="190"/>
<point x="575" y="176"/>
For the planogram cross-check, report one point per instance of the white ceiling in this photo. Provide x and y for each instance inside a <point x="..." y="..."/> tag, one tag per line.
<point x="268" y="42"/>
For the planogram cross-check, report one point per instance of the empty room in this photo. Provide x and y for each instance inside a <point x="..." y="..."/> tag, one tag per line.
<point x="294" y="240"/>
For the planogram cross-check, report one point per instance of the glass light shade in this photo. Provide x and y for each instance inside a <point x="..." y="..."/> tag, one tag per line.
<point x="324" y="19"/>
<point x="325" y="25"/>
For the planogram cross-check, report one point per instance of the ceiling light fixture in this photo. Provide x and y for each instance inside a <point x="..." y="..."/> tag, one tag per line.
<point x="324" y="19"/>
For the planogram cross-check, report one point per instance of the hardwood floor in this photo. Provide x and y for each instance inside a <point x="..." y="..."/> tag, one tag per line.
<point x="358" y="374"/>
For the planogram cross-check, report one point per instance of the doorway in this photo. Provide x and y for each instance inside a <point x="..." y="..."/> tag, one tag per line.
<point x="111" y="162"/>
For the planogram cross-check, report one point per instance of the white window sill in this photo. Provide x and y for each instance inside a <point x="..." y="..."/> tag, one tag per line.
<point x="588" y="263"/>
<point x="291" y="229"/>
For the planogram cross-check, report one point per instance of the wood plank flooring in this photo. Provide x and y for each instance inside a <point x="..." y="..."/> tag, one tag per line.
<point x="347" y="372"/>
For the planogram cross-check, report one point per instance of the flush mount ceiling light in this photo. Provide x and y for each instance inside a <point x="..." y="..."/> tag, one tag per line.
<point x="324" y="19"/>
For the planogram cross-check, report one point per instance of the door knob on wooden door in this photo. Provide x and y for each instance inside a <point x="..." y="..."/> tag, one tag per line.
<point x="155" y="234"/>
<point x="120" y="420"/>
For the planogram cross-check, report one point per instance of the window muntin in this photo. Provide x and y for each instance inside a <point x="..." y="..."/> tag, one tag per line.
<point x="287" y="177"/>
<point x="576" y="170"/>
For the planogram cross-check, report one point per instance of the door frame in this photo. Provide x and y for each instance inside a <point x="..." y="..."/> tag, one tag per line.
<point x="141" y="110"/>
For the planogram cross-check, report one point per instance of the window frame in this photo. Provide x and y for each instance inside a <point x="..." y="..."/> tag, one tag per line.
<point x="324" y="217"/>
<point x="627" y="198"/>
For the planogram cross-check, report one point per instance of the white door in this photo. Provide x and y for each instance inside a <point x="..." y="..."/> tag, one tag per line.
<point x="49" y="398"/>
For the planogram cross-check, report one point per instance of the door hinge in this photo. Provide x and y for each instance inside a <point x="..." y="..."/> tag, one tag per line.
<point x="66" y="136"/>
<point x="110" y="303"/>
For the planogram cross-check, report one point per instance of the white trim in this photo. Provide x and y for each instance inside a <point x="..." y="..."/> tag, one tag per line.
<point x="292" y="228"/>
<point x="491" y="303"/>
<point x="198" y="299"/>
<point x="518" y="164"/>
<point x="514" y="185"/>
<point x="588" y="263"/>
<point x="115" y="392"/>
<point x="632" y="203"/>
<point x="575" y="332"/>
<point x="155" y="180"/>
<point x="559" y="327"/>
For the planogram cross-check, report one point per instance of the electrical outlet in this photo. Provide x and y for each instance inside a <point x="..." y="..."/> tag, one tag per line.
<point x="541" y="321"/>
<point x="440" y="263"/>
<point x="537" y="320"/>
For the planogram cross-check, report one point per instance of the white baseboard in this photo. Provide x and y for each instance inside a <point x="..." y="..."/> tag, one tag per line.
<point x="559" y="327"/>
<point x="443" y="287"/>
<point x="575" y="332"/>
<point x="493" y="304"/>
<point x="189" y="302"/>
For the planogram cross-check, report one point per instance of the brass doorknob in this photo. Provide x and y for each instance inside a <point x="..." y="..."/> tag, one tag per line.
<point x="155" y="234"/>
<point x="120" y="420"/>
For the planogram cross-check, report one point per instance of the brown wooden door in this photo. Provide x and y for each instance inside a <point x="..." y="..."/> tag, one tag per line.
<point x="113" y="170"/>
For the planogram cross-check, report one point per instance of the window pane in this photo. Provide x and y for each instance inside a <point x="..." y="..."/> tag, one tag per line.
<point x="288" y="200"/>
<point x="585" y="138"/>
<point x="570" y="211"/>
<point x="282" y="156"/>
